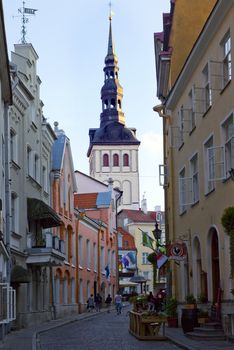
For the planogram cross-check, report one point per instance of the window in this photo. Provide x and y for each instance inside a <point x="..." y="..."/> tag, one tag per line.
<point x="102" y="259"/>
<point x="207" y="88"/>
<point x="88" y="253"/>
<point x="227" y="60"/>
<point x="228" y="136"/>
<point x="105" y="160"/>
<point x="36" y="170"/>
<point x="144" y="258"/>
<point x="115" y="160"/>
<point x="192" y="110"/>
<point x="14" y="212"/>
<point x="44" y="179"/>
<point x="95" y="256"/>
<point x="80" y="248"/>
<point x="29" y="160"/>
<point x="181" y="125"/>
<point x="125" y="244"/>
<point x="67" y="245"/>
<point x="125" y="159"/>
<point x="209" y="168"/>
<point x="182" y="191"/>
<point x="13" y="146"/>
<point x="194" y="175"/>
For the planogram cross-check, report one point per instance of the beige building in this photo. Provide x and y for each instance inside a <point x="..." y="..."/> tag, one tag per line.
<point x="198" y="114"/>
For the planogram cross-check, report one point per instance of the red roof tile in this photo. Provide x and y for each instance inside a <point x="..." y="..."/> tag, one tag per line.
<point x="139" y="215"/>
<point x="85" y="200"/>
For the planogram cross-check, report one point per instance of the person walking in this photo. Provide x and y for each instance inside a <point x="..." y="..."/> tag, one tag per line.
<point x="108" y="302"/>
<point x="90" y="303"/>
<point x="98" y="302"/>
<point x="118" y="303"/>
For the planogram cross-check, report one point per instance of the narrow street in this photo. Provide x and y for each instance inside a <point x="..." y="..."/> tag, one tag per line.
<point x="101" y="332"/>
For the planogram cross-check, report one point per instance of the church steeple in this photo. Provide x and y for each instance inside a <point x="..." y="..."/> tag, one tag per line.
<point x="112" y="91"/>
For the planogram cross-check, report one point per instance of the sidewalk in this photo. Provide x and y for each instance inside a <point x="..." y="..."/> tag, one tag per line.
<point x="27" y="339"/>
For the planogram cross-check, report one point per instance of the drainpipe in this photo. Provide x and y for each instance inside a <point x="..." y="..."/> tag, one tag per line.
<point x="7" y="188"/>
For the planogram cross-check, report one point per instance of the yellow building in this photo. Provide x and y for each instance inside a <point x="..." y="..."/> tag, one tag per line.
<point x="198" y="113"/>
<point x="136" y="222"/>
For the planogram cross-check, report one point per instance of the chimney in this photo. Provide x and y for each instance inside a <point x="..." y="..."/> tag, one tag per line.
<point x="144" y="204"/>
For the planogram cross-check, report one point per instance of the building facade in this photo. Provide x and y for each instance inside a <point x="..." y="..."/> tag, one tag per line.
<point x="32" y="217"/>
<point x="65" y="277"/>
<point x="97" y="245"/>
<point x="197" y="110"/>
<point x="113" y="149"/>
<point x="7" y="312"/>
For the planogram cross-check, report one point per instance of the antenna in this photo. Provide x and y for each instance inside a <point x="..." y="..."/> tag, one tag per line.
<point x="25" y="13"/>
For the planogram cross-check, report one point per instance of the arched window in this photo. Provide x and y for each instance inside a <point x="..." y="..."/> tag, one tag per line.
<point x="125" y="160"/>
<point x="112" y="75"/>
<point x="112" y="103"/>
<point x="119" y="104"/>
<point x="105" y="160"/>
<point x="115" y="160"/>
<point x="106" y="104"/>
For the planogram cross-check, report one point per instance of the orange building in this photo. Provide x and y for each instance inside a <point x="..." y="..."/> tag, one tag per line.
<point x="97" y="245"/>
<point x="64" y="279"/>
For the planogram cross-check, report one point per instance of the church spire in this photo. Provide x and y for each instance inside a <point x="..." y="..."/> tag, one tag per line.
<point x="111" y="92"/>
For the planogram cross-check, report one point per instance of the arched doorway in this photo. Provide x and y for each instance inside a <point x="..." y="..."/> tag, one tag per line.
<point x="214" y="246"/>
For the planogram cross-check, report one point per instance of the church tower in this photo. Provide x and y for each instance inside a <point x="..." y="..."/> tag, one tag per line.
<point x="113" y="149"/>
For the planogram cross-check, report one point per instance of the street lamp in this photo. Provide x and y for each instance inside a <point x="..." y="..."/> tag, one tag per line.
<point x="157" y="232"/>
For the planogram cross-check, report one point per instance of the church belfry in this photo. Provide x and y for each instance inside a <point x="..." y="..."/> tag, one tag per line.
<point x="113" y="149"/>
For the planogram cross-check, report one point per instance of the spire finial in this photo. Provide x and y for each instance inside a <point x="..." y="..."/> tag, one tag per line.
<point x="111" y="13"/>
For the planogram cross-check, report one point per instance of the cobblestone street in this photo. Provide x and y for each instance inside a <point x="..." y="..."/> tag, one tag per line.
<point x="105" y="331"/>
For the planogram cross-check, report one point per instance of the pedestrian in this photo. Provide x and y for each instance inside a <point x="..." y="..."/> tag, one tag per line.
<point x="98" y="302"/>
<point x="118" y="303"/>
<point x="151" y="301"/>
<point x="90" y="303"/>
<point x="108" y="302"/>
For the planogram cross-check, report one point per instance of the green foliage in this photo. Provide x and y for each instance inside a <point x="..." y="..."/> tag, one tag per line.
<point x="152" y="258"/>
<point x="190" y="299"/>
<point x="171" y="307"/>
<point x="227" y="221"/>
<point x="202" y="298"/>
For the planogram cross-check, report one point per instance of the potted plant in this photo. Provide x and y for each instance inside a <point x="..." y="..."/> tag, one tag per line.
<point x="171" y="312"/>
<point x="190" y="302"/>
<point x="189" y="314"/>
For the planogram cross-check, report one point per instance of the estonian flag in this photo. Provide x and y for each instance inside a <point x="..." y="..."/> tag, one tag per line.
<point x="107" y="272"/>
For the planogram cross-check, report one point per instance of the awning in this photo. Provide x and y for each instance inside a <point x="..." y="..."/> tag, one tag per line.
<point x="40" y="211"/>
<point x="127" y="284"/>
<point x="19" y="274"/>
<point x="138" y="279"/>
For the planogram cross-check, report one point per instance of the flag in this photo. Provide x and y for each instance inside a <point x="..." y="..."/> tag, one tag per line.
<point x="147" y="241"/>
<point x="161" y="259"/>
<point x="107" y="271"/>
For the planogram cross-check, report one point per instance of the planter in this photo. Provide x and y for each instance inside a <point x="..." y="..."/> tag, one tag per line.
<point x="172" y="322"/>
<point x="189" y="319"/>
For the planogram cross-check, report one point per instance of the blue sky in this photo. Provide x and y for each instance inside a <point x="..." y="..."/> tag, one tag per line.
<point x="71" y="38"/>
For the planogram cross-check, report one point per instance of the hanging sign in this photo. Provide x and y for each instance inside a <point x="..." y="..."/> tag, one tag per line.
<point x="177" y="251"/>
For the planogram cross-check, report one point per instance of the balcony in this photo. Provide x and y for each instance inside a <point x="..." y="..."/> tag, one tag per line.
<point x="49" y="253"/>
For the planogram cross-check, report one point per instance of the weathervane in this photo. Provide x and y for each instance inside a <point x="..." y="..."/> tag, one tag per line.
<point x="25" y="12"/>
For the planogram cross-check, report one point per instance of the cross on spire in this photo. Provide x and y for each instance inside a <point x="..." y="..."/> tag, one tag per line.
<point x="110" y="12"/>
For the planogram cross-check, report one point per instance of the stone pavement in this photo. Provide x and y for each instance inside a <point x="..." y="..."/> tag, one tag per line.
<point x="27" y="339"/>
